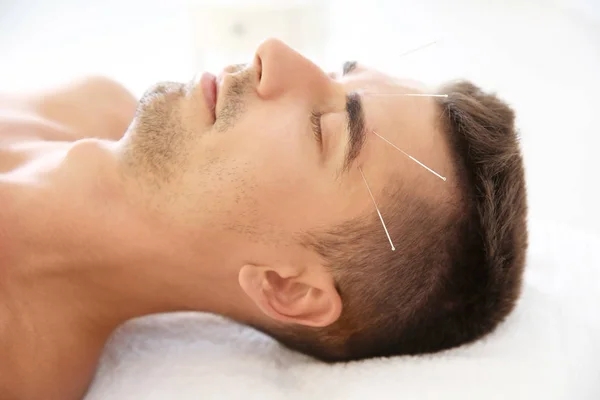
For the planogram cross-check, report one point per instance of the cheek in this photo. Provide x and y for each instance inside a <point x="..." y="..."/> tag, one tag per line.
<point x="277" y="144"/>
<point x="279" y="163"/>
<point x="262" y="175"/>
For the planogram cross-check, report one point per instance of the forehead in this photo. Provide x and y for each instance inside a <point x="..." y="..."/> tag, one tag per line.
<point x="409" y="122"/>
<point x="366" y="78"/>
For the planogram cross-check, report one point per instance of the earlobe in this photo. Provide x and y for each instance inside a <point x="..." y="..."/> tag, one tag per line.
<point x="285" y="296"/>
<point x="252" y="281"/>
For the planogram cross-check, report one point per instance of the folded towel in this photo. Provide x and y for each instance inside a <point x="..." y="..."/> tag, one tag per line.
<point x="548" y="348"/>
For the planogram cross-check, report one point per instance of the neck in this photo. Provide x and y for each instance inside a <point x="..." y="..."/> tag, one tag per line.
<point x="77" y="238"/>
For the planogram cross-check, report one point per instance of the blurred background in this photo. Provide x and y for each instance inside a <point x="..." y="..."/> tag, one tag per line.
<point x="542" y="56"/>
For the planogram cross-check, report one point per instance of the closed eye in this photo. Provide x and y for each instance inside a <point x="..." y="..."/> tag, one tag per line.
<point x="315" y="121"/>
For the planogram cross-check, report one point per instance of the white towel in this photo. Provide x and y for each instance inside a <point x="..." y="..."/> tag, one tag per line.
<point x="549" y="348"/>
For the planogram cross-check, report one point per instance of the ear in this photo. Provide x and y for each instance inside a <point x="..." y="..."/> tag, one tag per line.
<point x="288" y="296"/>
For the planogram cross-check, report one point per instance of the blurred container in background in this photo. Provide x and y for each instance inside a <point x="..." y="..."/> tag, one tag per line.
<point x="227" y="32"/>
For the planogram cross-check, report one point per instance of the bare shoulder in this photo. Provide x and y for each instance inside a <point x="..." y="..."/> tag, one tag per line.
<point x="93" y="106"/>
<point x="20" y="122"/>
<point x="45" y="357"/>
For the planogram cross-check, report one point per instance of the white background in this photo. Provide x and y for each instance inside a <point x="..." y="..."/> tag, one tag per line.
<point x="543" y="57"/>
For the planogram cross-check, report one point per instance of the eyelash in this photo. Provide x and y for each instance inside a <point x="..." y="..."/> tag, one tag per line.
<point x="315" y="120"/>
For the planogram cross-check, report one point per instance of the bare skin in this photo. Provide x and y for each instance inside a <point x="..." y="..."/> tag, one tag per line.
<point x="46" y="349"/>
<point x="103" y="219"/>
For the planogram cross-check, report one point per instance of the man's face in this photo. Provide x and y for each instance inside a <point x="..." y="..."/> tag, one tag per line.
<point x="254" y="165"/>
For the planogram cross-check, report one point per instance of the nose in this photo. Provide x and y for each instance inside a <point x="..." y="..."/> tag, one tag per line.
<point x="285" y="72"/>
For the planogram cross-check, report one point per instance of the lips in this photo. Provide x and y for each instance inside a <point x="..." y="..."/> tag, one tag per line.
<point x="208" y="83"/>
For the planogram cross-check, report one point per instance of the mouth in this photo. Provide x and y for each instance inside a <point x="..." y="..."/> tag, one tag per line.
<point x="211" y="84"/>
<point x="208" y="83"/>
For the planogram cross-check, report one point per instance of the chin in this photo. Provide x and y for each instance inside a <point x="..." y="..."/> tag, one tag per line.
<point x="156" y="139"/>
<point x="163" y="91"/>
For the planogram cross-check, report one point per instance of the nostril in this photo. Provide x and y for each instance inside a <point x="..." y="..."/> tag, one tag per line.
<point x="258" y="67"/>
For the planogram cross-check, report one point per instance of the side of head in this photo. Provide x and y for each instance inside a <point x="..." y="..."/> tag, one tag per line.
<point x="265" y="186"/>
<point x="457" y="269"/>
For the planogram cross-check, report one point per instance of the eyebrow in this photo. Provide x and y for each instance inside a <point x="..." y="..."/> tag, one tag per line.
<point x="356" y="121"/>
<point x="356" y="128"/>
<point x="348" y="67"/>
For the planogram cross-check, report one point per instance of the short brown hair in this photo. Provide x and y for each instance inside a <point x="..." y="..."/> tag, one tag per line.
<point x="456" y="272"/>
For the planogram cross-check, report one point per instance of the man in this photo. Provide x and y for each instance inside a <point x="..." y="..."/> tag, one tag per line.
<point x="248" y="195"/>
